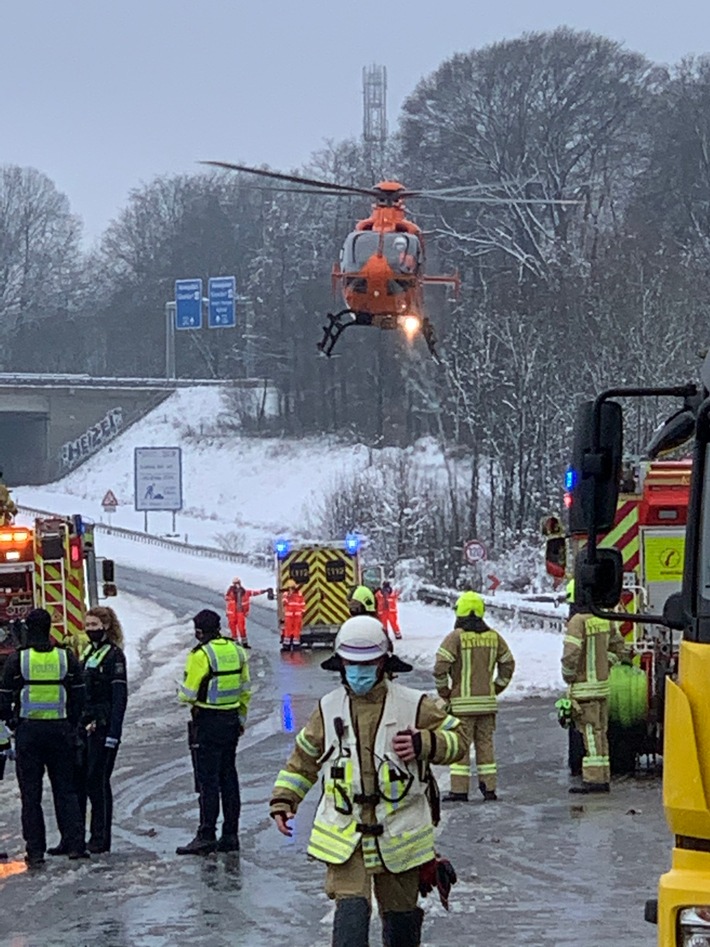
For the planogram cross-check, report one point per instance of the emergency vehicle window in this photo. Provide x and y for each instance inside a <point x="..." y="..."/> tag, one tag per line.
<point x="335" y="570"/>
<point x="299" y="572"/>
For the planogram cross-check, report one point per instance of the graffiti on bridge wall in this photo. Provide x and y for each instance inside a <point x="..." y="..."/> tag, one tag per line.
<point x="73" y="452"/>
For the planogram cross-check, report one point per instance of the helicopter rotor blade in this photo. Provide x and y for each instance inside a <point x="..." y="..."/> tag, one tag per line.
<point x="292" y="178"/>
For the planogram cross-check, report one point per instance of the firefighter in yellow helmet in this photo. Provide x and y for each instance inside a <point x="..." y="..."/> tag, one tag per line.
<point x="591" y="644"/>
<point x="374" y="740"/>
<point x="464" y="675"/>
<point x="361" y="601"/>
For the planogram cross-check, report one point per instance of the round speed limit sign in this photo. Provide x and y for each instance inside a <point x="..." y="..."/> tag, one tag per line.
<point x="474" y="551"/>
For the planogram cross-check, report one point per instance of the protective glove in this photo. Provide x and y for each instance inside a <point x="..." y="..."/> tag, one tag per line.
<point x="270" y="594"/>
<point x="563" y="706"/>
<point x="111" y="743"/>
<point x="445" y="878"/>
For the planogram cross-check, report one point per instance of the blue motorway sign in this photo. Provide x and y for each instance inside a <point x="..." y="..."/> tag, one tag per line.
<point x="222" y="298"/>
<point x="188" y="304"/>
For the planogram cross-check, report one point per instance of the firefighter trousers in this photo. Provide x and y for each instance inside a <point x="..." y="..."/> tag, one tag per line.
<point x="592" y="720"/>
<point x="292" y="628"/>
<point x="479" y="730"/>
<point x="238" y="625"/>
<point x="352" y="880"/>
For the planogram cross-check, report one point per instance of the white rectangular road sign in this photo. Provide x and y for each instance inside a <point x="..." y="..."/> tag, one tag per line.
<point x="158" y="478"/>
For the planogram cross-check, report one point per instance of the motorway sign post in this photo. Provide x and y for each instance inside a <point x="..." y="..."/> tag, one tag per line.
<point x="188" y="304"/>
<point x="222" y="295"/>
<point x="109" y="504"/>
<point x="158" y="480"/>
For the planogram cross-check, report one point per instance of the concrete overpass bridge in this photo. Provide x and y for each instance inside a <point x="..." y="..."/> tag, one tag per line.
<point x="49" y="424"/>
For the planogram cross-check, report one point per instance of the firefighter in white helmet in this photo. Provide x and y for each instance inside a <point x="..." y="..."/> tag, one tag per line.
<point x="374" y="740"/>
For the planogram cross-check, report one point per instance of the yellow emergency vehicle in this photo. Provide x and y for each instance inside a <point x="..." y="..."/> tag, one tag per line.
<point x="325" y="573"/>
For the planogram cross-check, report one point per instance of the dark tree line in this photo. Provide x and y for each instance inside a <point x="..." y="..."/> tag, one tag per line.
<point x="557" y="300"/>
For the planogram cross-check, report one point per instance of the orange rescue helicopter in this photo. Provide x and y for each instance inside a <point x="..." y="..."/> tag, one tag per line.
<point x="381" y="269"/>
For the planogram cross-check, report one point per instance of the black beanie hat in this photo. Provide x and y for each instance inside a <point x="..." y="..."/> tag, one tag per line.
<point x="39" y="622"/>
<point x="208" y="621"/>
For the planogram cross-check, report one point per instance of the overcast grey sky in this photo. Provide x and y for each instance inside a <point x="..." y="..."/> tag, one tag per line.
<point x="103" y="96"/>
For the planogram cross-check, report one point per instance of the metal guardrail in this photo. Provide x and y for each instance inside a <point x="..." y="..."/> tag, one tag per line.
<point x="162" y="542"/>
<point x="59" y="380"/>
<point x="426" y="593"/>
<point x="510" y="612"/>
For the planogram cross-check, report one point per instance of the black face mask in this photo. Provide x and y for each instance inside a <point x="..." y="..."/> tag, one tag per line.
<point x="96" y="635"/>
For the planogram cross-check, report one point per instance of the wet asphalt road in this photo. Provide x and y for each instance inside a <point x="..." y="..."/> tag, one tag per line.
<point x="537" y="868"/>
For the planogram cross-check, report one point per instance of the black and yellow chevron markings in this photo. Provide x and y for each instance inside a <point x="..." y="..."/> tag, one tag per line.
<point x="325" y="576"/>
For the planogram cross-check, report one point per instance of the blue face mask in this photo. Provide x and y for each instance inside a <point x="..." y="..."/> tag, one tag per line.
<point x="361" y="677"/>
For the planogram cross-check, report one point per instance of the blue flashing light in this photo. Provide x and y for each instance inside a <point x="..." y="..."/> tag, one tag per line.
<point x="78" y="523"/>
<point x="282" y="547"/>
<point x="287" y="718"/>
<point x="571" y="479"/>
<point x="352" y="543"/>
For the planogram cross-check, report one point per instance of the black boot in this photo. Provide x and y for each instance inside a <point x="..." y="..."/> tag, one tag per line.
<point x="228" y="843"/>
<point x="198" y="846"/>
<point x="489" y="795"/>
<point x="587" y="788"/>
<point x="455" y="797"/>
<point x="402" y="928"/>
<point x="351" y="927"/>
<point x="60" y="849"/>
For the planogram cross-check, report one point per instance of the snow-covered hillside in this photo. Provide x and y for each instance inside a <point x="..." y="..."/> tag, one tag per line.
<point x="255" y="490"/>
<point x="245" y="491"/>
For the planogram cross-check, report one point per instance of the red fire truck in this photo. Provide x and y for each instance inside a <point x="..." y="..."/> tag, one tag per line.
<point x="649" y="531"/>
<point x="50" y="565"/>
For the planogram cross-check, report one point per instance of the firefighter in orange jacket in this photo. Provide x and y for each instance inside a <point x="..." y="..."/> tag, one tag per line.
<point x="238" y="601"/>
<point x="294" y="605"/>
<point x="386" y="599"/>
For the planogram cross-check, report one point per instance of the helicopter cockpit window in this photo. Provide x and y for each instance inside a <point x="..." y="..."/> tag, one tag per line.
<point x="403" y="252"/>
<point x="358" y="249"/>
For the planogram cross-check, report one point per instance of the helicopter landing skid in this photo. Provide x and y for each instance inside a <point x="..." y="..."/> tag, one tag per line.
<point x="337" y="325"/>
<point x="340" y="321"/>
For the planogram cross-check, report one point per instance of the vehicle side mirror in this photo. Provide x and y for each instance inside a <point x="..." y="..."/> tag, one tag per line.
<point x="107" y="570"/>
<point x="674" y="612"/>
<point x="109" y="590"/>
<point x="595" y="474"/>
<point x="674" y="432"/>
<point x="599" y="583"/>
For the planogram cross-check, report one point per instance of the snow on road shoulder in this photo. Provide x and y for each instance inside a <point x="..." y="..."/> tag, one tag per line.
<point x="537" y="653"/>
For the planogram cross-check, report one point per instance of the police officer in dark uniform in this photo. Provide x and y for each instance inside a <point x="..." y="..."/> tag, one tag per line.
<point x="104" y="665"/>
<point x="217" y="689"/>
<point x="41" y="698"/>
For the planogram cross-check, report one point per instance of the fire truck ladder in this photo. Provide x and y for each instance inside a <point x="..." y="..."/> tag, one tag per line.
<point x="52" y="576"/>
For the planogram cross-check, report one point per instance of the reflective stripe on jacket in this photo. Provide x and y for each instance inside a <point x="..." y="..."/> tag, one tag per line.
<point x="585" y="658"/>
<point x="471" y="668"/>
<point x="217" y="677"/>
<point x="43" y="695"/>
<point x="404" y="832"/>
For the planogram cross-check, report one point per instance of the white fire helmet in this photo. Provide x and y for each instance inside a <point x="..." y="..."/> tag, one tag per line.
<point x="362" y="638"/>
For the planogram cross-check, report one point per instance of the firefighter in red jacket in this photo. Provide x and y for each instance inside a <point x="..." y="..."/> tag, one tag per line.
<point x="386" y="599"/>
<point x="294" y="605"/>
<point x="238" y="601"/>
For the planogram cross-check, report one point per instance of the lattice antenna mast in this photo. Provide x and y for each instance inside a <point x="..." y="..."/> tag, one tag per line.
<point x="374" y="125"/>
